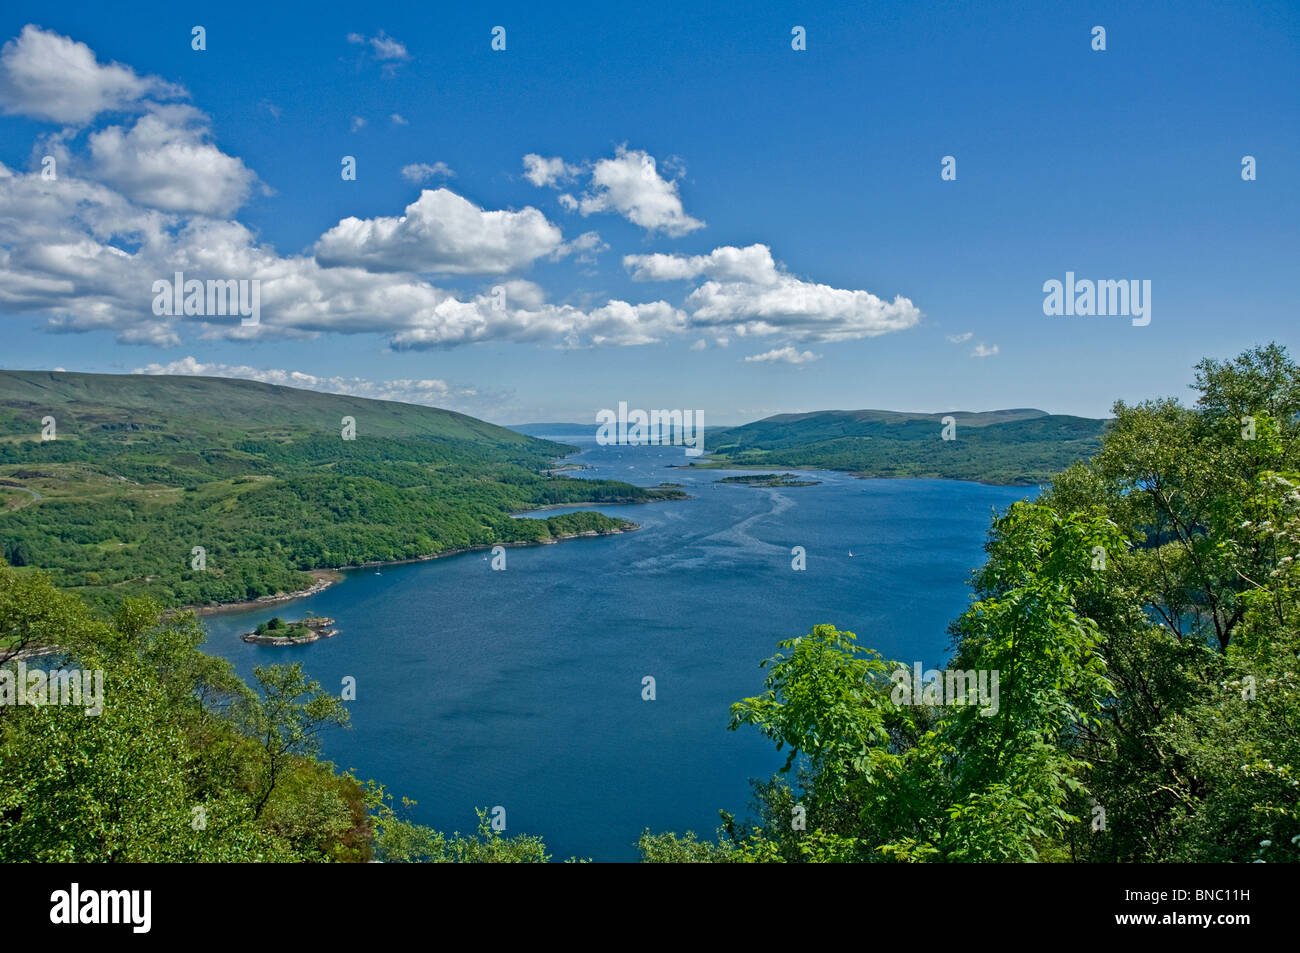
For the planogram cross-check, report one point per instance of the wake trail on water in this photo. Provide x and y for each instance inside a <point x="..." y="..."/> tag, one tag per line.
<point x="738" y="533"/>
<point x="702" y="552"/>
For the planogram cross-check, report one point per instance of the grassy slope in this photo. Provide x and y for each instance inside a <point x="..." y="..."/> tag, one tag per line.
<point x="1015" y="447"/>
<point x="217" y="405"/>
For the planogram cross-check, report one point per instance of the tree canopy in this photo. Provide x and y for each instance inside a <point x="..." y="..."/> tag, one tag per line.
<point x="1143" y="616"/>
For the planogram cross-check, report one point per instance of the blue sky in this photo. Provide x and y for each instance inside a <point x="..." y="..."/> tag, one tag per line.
<point x="678" y="131"/>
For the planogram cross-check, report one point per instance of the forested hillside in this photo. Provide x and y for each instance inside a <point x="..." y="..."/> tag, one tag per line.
<point x="142" y="470"/>
<point x="1013" y="447"/>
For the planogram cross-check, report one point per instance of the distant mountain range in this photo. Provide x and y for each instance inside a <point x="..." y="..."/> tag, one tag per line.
<point x="555" y="430"/>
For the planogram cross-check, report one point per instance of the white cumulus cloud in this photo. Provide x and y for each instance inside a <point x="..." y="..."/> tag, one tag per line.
<point x="750" y="295"/>
<point x="166" y="161"/>
<point x="543" y="172"/>
<point x="783" y="355"/>
<point x="585" y="248"/>
<point x="753" y="264"/>
<point x="60" y="258"/>
<point x="149" y="194"/>
<point x="441" y="232"/>
<point x="631" y="185"/>
<point x="51" y="77"/>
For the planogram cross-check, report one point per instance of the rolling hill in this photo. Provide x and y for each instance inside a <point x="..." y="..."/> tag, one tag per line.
<point x="1021" y="446"/>
<point x="217" y="404"/>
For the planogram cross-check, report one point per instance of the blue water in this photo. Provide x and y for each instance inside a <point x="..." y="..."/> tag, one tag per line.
<point x="523" y="688"/>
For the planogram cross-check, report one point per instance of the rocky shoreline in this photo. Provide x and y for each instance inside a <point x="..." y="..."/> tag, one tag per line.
<point x="318" y="626"/>
<point x="324" y="579"/>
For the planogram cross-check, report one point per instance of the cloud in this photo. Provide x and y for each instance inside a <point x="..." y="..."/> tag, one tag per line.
<point x="800" y="309"/>
<point x="982" y="351"/>
<point x="46" y="76"/>
<point x="58" y="259"/>
<point x="430" y="392"/>
<point x="386" y="48"/>
<point x="750" y="295"/>
<point x="397" y="119"/>
<point x="753" y="264"/>
<point x="419" y="172"/>
<point x="630" y="185"/>
<point x="383" y="48"/>
<point x="357" y="123"/>
<point x="149" y="196"/>
<point x="526" y="317"/>
<point x="166" y="161"/>
<point x="783" y="355"/>
<point x="441" y="232"/>
<point x="960" y="338"/>
<point x="585" y="248"/>
<point x="699" y="345"/>
<point x="543" y="172"/>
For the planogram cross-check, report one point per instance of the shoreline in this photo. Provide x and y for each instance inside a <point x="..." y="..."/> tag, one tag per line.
<point x="328" y="577"/>
<point x="711" y="464"/>
<point x="324" y="579"/>
<point x="522" y="514"/>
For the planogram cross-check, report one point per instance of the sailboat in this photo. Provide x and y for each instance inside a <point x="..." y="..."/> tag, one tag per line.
<point x="850" y="554"/>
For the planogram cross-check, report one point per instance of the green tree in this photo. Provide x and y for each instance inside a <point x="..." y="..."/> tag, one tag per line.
<point x="288" y="720"/>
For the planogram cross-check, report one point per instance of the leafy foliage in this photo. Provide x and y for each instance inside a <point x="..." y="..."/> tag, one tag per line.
<point x="185" y="762"/>
<point x="1144" y="617"/>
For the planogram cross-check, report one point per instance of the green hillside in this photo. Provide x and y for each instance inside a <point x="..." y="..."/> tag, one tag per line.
<point x="145" y="468"/>
<point x="217" y="404"/>
<point x="1014" y="447"/>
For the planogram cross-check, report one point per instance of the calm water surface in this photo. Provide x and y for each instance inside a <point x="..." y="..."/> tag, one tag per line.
<point x="523" y="688"/>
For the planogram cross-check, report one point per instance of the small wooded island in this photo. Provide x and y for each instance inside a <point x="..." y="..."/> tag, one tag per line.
<point x="276" y="631"/>
<point x="769" y="479"/>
